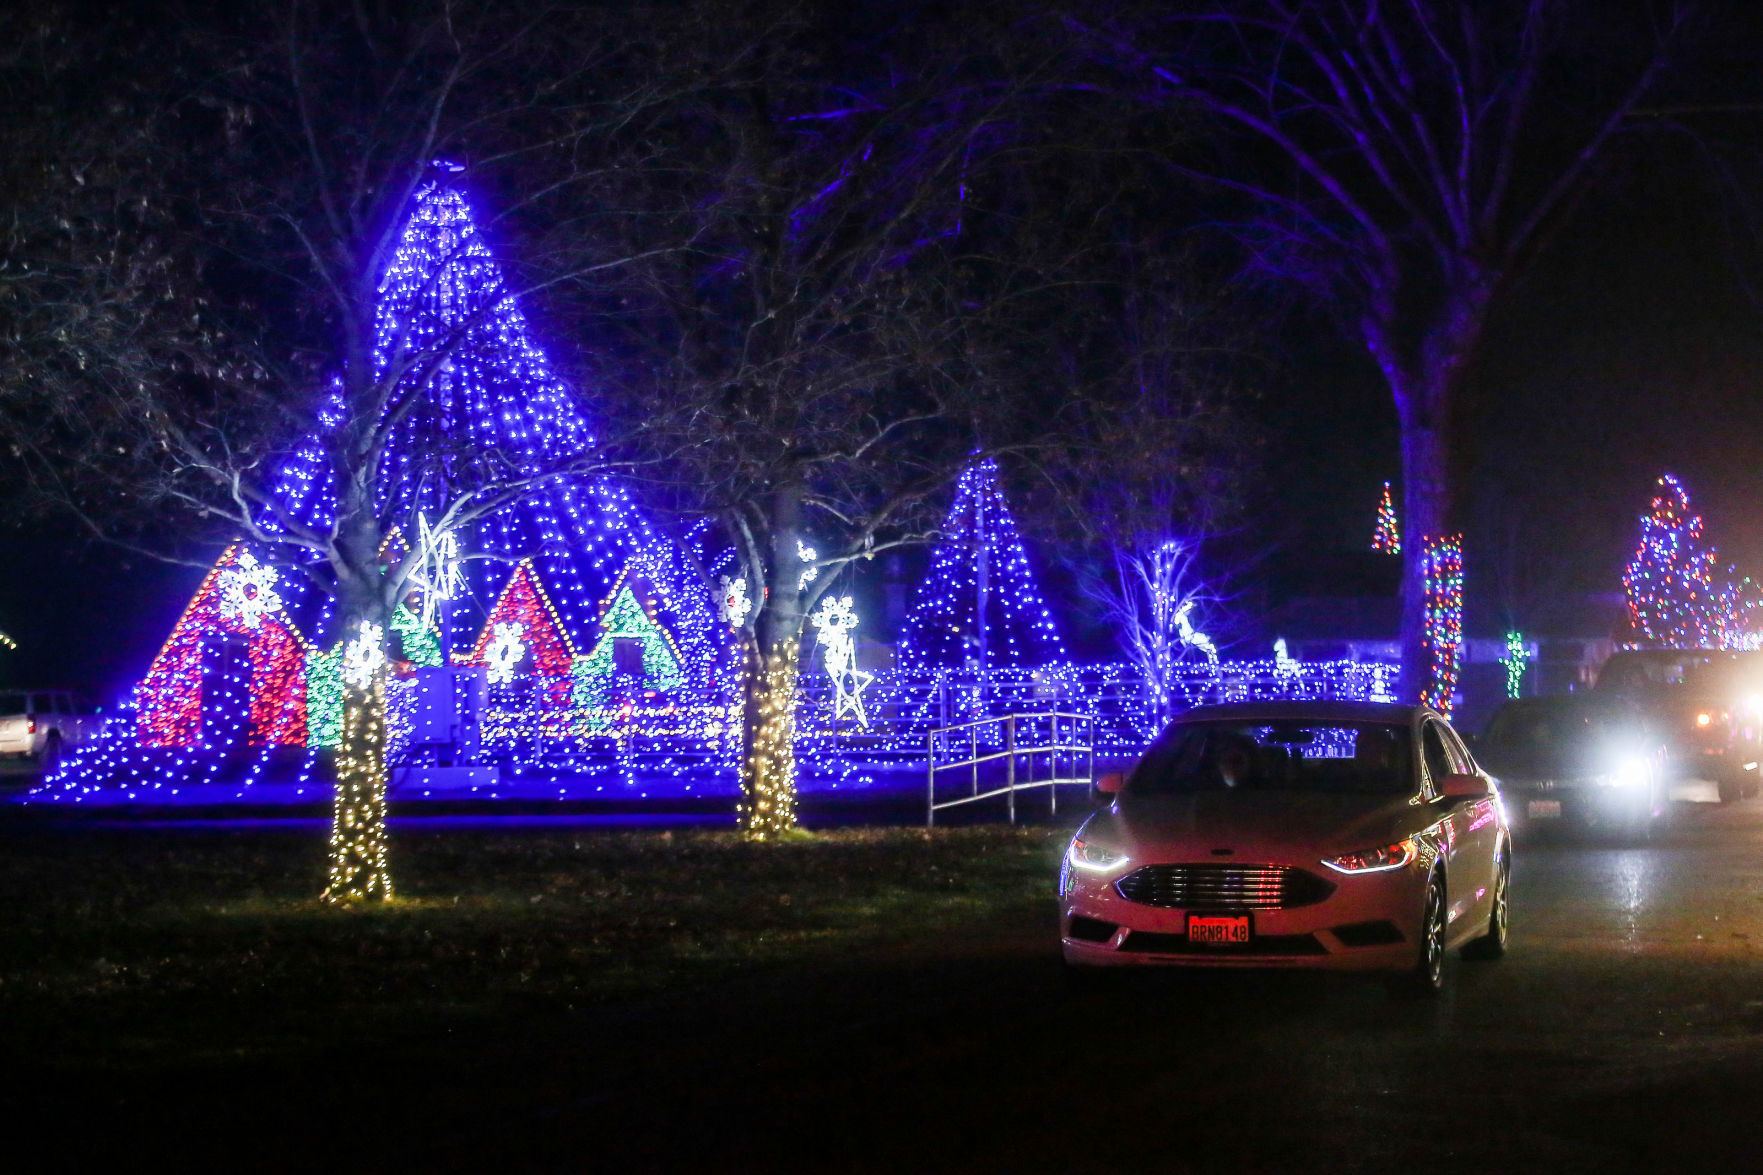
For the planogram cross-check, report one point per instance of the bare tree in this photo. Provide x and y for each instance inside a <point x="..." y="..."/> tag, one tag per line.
<point x="1406" y="162"/>
<point x="1147" y="482"/>
<point x="831" y="353"/>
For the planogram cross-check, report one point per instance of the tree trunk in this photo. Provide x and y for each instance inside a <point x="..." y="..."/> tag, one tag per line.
<point x="768" y="712"/>
<point x="1427" y="508"/>
<point x="358" y="869"/>
<point x="768" y="736"/>
<point x="1425" y="364"/>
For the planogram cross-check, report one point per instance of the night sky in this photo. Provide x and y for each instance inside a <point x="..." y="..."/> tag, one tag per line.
<point x="1635" y="347"/>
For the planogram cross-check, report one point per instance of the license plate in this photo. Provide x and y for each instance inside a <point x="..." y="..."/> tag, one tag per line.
<point x="1543" y="809"/>
<point x="1218" y="931"/>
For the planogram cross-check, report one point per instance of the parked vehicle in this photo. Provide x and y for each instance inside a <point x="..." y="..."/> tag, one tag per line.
<point x="44" y="725"/>
<point x="1588" y="759"/>
<point x="1338" y="835"/>
<point x="1708" y="703"/>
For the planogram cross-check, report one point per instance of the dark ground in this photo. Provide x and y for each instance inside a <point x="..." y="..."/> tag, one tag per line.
<point x="865" y="1001"/>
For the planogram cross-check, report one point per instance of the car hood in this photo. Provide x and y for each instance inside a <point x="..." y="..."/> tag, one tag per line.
<point x="1521" y="763"/>
<point x="1253" y="826"/>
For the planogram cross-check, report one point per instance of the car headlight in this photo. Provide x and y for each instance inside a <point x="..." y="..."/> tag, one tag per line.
<point x="1087" y="854"/>
<point x="1631" y="771"/>
<point x="1374" y="860"/>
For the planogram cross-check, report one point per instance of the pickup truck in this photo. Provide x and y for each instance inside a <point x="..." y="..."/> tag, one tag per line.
<point x="44" y="724"/>
<point x="1708" y="703"/>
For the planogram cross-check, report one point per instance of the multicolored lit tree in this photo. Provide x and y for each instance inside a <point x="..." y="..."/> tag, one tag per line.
<point x="1674" y="598"/>
<point x="1388" y="535"/>
<point x="979" y="605"/>
<point x="1442" y="563"/>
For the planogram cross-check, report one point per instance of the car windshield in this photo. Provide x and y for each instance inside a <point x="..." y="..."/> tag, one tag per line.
<point x="1556" y="727"/>
<point x="1738" y="673"/>
<point x="13" y="704"/>
<point x="1358" y="758"/>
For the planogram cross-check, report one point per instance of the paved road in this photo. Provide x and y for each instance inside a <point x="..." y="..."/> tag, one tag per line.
<point x="1624" y="1032"/>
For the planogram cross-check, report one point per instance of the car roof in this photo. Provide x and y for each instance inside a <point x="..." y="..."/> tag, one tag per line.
<point x="1314" y="711"/>
<point x="1583" y="700"/>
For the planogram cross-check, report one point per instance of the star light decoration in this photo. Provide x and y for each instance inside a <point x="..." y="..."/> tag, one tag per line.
<point x="833" y="625"/>
<point x="733" y="604"/>
<point x="505" y="651"/>
<point x="364" y="656"/>
<point x="247" y="591"/>
<point x="437" y="573"/>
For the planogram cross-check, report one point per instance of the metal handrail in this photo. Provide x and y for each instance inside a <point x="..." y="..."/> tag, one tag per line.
<point x="1054" y="747"/>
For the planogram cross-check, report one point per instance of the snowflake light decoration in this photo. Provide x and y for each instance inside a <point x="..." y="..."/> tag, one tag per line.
<point x="364" y="656"/>
<point x="833" y="624"/>
<point x="247" y="591"/>
<point x="505" y="651"/>
<point x="733" y="604"/>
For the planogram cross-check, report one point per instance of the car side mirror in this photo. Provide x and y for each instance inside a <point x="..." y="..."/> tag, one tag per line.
<point x="1110" y="784"/>
<point x="1463" y="787"/>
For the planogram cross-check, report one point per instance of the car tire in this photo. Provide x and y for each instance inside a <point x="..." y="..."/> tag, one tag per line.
<point x="50" y="760"/>
<point x="1428" y="975"/>
<point x="1492" y="945"/>
<point x="1731" y="788"/>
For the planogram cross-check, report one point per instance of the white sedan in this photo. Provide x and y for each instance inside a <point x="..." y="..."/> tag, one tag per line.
<point x="1338" y="835"/>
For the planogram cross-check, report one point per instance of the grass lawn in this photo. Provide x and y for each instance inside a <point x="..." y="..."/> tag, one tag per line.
<point x="141" y="949"/>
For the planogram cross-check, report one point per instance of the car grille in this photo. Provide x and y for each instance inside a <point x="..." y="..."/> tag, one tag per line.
<point x="1140" y="941"/>
<point x="1223" y="887"/>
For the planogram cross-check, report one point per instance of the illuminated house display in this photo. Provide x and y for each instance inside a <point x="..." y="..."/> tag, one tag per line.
<point x="583" y="637"/>
<point x="583" y="618"/>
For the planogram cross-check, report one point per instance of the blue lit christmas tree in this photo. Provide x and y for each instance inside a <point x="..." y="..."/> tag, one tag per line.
<point x="491" y="401"/>
<point x="494" y="399"/>
<point x="980" y="606"/>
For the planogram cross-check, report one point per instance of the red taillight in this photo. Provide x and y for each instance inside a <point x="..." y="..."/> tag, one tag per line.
<point x="30" y="726"/>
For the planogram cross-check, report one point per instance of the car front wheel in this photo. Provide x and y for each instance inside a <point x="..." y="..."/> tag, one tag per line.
<point x="1493" y="944"/>
<point x="1428" y="976"/>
